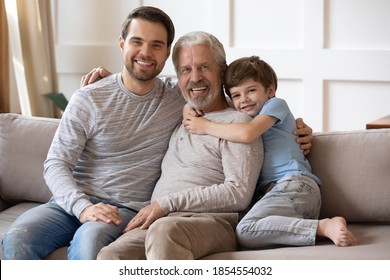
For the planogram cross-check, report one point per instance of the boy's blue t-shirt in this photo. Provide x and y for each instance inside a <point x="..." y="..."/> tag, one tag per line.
<point x="282" y="154"/>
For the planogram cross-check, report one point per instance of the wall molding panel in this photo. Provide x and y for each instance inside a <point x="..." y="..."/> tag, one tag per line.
<point x="332" y="60"/>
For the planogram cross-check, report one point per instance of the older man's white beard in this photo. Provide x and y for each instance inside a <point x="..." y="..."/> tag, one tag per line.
<point x="201" y="102"/>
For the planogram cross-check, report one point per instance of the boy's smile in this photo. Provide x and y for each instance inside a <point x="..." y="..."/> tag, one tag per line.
<point x="250" y="96"/>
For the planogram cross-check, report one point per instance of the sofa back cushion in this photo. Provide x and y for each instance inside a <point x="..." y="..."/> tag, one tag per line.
<point x="354" y="168"/>
<point x="24" y="142"/>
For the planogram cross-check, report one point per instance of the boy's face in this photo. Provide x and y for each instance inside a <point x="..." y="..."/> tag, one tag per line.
<point x="250" y="96"/>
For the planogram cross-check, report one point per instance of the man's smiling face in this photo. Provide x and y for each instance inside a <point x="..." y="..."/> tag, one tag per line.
<point x="145" y="49"/>
<point x="199" y="76"/>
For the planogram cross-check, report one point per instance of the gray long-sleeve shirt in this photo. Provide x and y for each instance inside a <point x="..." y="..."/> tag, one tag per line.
<point x="110" y="143"/>
<point x="202" y="173"/>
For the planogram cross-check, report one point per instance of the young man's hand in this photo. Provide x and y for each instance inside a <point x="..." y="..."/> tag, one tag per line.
<point x="305" y="135"/>
<point x="94" y="75"/>
<point x="101" y="212"/>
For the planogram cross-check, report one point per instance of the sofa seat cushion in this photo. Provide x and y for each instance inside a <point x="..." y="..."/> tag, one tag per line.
<point x="374" y="244"/>
<point x="8" y="216"/>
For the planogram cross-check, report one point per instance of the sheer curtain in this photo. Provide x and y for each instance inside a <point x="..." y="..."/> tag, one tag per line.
<point x="4" y="65"/>
<point x="32" y="49"/>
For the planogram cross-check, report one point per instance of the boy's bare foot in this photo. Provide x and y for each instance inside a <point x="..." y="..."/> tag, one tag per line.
<point x="336" y="230"/>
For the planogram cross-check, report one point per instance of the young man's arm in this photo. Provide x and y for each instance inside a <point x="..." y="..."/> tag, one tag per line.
<point x="76" y="124"/>
<point x="67" y="145"/>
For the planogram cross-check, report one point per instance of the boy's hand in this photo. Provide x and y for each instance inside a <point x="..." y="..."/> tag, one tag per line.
<point x="305" y="135"/>
<point x="94" y="75"/>
<point x="191" y="112"/>
<point x="196" y="125"/>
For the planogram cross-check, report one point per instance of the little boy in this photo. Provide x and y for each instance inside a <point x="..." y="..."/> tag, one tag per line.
<point x="287" y="211"/>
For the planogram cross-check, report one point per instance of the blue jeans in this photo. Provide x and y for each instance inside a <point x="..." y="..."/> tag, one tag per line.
<point x="45" y="228"/>
<point x="286" y="215"/>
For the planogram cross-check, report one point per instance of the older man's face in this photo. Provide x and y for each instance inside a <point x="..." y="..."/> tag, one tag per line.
<point x="199" y="77"/>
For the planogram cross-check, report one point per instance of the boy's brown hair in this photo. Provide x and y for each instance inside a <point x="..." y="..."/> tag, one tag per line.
<point x="246" y="68"/>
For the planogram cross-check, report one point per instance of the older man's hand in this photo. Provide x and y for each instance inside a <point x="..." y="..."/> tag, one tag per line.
<point x="146" y="216"/>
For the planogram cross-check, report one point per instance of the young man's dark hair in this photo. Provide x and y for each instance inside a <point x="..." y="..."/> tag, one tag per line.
<point x="152" y="14"/>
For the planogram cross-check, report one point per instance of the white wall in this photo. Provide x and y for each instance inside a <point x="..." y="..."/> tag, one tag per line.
<point x="332" y="56"/>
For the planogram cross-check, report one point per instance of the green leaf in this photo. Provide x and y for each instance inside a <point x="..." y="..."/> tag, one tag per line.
<point x="58" y="99"/>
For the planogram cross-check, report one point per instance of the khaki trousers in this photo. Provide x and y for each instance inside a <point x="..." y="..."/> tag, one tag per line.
<point x="180" y="236"/>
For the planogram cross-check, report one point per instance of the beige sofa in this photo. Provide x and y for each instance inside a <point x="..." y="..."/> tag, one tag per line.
<point x="354" y="167"/>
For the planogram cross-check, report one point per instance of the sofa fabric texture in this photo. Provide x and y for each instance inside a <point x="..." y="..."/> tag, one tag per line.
<point x="354" y="167"/>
